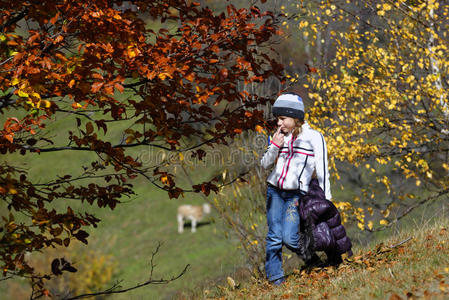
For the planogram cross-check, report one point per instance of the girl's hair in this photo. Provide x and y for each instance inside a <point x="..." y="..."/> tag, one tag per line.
<point x="298" y="127"/>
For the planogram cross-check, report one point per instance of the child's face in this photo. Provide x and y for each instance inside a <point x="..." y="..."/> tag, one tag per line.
<point x="286" y="124"/>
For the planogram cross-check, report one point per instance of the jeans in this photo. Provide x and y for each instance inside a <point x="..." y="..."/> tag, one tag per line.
<point x="283" y="222"/>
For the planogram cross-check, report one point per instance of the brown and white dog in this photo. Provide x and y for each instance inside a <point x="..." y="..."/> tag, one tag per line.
<point x="193" y="212"/>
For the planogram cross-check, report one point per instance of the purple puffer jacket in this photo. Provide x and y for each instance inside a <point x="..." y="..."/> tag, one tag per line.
<point x="321" y="224"/>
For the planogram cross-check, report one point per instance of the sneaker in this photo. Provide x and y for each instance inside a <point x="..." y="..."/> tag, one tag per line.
<point x="278" y="281"/>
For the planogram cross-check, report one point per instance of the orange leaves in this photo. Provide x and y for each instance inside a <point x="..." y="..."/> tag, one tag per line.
<point x="161" y="83"/>
<point x="58" y="39"/>
<point x="76" y="105"/>
<point x="119" y="87"/>
<point x="164" y="75"/>
<point x="215" y="49"/>
<point x="259" y="129"/>
<point x="132" y="51"/>
<point x="224" y="73"/>
<point x="96" y="86"/>
<point x="10" y="127"/>
<point x="54" y="19"/>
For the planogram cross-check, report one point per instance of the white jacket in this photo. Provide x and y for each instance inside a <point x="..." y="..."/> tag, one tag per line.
<point x="298" y="159"/>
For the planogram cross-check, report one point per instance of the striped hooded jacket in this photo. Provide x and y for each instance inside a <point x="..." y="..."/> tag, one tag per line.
<point x="297" y="159"/>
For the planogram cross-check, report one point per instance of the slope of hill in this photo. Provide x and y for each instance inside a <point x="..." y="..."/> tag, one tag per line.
<point x="413" y="264"/>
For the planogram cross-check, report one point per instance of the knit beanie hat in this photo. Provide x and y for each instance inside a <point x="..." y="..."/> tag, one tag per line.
<point x="289" y="105"/>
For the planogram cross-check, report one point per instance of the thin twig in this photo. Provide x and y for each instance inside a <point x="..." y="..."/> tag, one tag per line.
<point x="401" y="243"/>
<point x="111" y="291"/>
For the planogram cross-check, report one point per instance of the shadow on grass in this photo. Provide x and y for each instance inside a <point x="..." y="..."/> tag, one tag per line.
<point x="199" y="224"/>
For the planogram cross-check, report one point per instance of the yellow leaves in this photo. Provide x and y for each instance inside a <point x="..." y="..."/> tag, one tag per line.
<point x="15" y="81"/>
<point x="132" y="51"/>
<point x="379" y="95"/>
<point x="361" y="226"/>
<point x="22" y="93"/>
<point x="385" y="6"/>
<point x="343" y="205"/>
<point x="164" y="180"/>
<point x="130" y="139"/>
<point x="76" y="105"/>
<point x="231" y="282"/>
<point x="383" y="222"/>
<point x="410" y="79"/>
<point x="303" y="23"/>
<point x="382" y="160"/>
<point x="164" y="75"/>
<point x="43" y="104"/>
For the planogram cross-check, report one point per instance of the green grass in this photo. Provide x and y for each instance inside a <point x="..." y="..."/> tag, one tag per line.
<point x="130" y="233"/>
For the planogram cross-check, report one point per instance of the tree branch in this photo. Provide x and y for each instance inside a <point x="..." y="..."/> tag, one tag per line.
<point x="14" y="19"/>
<point x="411" y="208"/>
<point x="38" y="291"/>
<point x="112" y="290"/>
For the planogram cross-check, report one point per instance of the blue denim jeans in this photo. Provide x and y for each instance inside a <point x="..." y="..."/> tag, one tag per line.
<point x="283" y="222"/>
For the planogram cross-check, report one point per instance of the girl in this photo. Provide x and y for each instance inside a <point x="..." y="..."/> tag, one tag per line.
<point x="300" y="152"/>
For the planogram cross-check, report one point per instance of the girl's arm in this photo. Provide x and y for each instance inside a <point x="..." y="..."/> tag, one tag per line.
<point x="270" y="155"/>
<point x="321" y="164"/>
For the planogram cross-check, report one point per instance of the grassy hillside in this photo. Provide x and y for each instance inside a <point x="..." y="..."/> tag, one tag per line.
<point x="411" y="264"/>
<point x="128" y="235"/>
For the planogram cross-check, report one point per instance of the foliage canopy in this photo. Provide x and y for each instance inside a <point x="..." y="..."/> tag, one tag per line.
<point x="169" y="74"/>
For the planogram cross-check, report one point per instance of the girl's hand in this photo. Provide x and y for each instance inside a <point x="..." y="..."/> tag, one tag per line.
<point x="278" y="137"/>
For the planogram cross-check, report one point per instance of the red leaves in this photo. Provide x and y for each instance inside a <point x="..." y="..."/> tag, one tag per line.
<point x="205" y="188"/>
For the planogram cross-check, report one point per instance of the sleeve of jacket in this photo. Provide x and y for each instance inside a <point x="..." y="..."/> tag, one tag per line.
<point x="321" y="164"/>
<point x="270" y="155"/>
